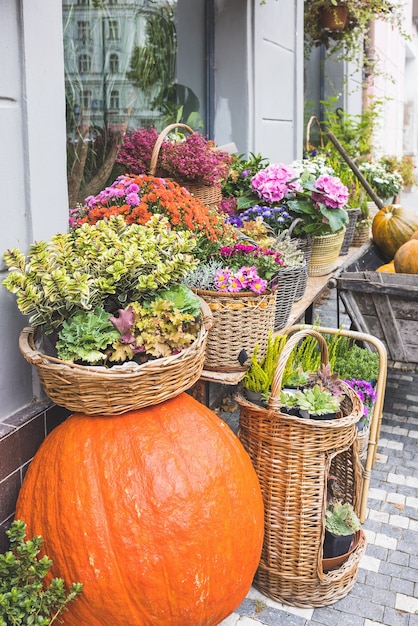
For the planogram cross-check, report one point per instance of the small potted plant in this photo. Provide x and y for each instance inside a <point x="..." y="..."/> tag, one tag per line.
<point x="259" y="376"/>
<point x="345" y="36"/>
<point x="25" y="596"/>
<point x="317" y="403"/>
<point x="341" y="524"/>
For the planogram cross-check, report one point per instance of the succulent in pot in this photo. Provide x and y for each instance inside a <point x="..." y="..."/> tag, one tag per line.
<point x="317" y="403"/>
<point x="341" y="523"/>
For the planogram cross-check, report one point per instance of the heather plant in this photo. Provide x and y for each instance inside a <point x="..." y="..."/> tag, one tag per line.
<point x="136" y="150"/>
<point x="187" y="159"/>
<point x="195" y="159"/>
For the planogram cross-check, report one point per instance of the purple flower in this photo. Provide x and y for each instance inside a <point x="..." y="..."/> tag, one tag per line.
<point x="132" y="199"/>
<point x="330" y="191"/>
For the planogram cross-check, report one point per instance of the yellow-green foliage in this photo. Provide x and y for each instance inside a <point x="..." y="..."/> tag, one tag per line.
<point x="259" y="375"/>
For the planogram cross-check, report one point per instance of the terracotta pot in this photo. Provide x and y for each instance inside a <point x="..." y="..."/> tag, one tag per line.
<point x="334" y="18"/>
<point x="335" y="561"/>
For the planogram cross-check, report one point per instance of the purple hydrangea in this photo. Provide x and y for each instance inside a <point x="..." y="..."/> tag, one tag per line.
<point x="274" y="182"/>
<point x="329" y="190"/>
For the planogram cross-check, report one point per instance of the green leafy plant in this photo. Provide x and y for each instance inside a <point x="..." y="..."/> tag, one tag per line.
<point x="347" y="42"/>
<point x="357" y="362"/>
<point x="141" y="331"/>
<point x="295" y="378"/>
<point x="340" y="518"/>
<point x="108" y="264"/>
<point x="25" y="597"/>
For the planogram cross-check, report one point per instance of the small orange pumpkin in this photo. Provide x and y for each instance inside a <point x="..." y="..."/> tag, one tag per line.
<point x="392" y="226"/>
<point x="387" y="267"/>
<point x="406" y="258"/>
<point x="415" y="235"/>
<point x="158" y="512"/>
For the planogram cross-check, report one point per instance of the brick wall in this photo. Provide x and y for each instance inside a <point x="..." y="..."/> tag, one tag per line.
<point x="20" y="436"/>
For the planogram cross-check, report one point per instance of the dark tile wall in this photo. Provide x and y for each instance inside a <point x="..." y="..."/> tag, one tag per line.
<point x="21" y="435"/>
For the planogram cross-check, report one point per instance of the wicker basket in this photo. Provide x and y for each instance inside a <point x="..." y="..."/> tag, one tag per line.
<point x="210" y="195"/>
<point x="240" y="321"/>
<point x="325" y="253"/>
<point x="95" y="390"/>
<point x="362" y="234"/>
<point x="363" y="441"/>
<point x="287" y="281"/>
<point x="305" y="246"/>
<point x="293" y="458"/>
<point x="349" y="230"/>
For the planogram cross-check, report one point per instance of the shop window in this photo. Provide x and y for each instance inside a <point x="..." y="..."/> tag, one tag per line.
<point x="142" y="68"/>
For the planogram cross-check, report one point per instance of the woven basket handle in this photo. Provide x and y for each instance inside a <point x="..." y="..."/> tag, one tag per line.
<point x="206" y="314"/>
<point x="314" y="119"/>
<point x="292" y="226"/>
<point x="292" y="342"/>
<point x="163" y="134"/>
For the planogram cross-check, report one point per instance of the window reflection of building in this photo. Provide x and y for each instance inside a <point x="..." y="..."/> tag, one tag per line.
<point x="113" y="63"/>
<point x="84" y="63"/>
<point x="83" y="31"/>
<point x="114" y="100"/>
<point x="113" y="30"/>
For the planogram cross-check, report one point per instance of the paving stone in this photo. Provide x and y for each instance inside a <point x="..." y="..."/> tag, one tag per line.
<point x="272" y="617"/>
<point x="402" y="586"/>
<point x="393" y="617"/>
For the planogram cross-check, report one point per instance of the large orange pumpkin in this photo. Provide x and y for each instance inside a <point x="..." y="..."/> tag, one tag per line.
<point x="158" y="512"/>
<point x="392" y="226"/>
<point x="406" y="258"/>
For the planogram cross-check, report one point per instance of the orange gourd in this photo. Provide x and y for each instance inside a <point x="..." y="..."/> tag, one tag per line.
<point x="392" y="226"/>
<point x="158" y="512"/>
<point x="387" y="267"/>
<point x="415" y="235"/>
<point x="406" y="258"/>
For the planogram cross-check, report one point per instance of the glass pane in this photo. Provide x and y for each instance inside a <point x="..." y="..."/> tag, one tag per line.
<point x="128" y="64"/>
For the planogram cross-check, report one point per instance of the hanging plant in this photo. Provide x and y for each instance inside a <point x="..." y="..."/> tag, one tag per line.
<point x="346" y="36"/>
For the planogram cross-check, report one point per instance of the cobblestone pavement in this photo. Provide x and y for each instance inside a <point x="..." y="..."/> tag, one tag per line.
<point x="386" y="589"/>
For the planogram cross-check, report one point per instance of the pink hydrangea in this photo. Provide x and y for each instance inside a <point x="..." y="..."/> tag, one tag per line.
<point x="274" y="182"/>
<point x="329" y="190"/>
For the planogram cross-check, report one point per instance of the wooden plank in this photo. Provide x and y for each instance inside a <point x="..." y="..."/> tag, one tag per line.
<point x="390" y="327"/>
<point x="368" y="282"/>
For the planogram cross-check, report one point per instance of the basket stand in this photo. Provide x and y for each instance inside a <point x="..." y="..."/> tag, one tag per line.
<point x="369" y="455"/>
<point x="293" y="458"/>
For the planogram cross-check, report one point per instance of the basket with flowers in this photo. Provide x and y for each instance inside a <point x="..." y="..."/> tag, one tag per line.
<point x="238" y="283"/>
<point x="186" y="157"/>
<point x="113" y="328"/>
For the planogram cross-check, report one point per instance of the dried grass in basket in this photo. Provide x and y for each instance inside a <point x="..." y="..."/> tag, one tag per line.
<point x="240" y="321"/>
<point x="96" y="390"/>
<point x="210" y="195"/>
<point x="293" y="458"/>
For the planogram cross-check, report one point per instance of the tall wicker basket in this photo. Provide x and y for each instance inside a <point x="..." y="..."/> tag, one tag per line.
<point x="293" y="458"/>
<point x="210" y="195"/>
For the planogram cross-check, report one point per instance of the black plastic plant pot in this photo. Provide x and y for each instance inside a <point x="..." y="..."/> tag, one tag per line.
<point x="335" y="545"/>
<point x="291" y="410"/>
<point x="326" y="416"/>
